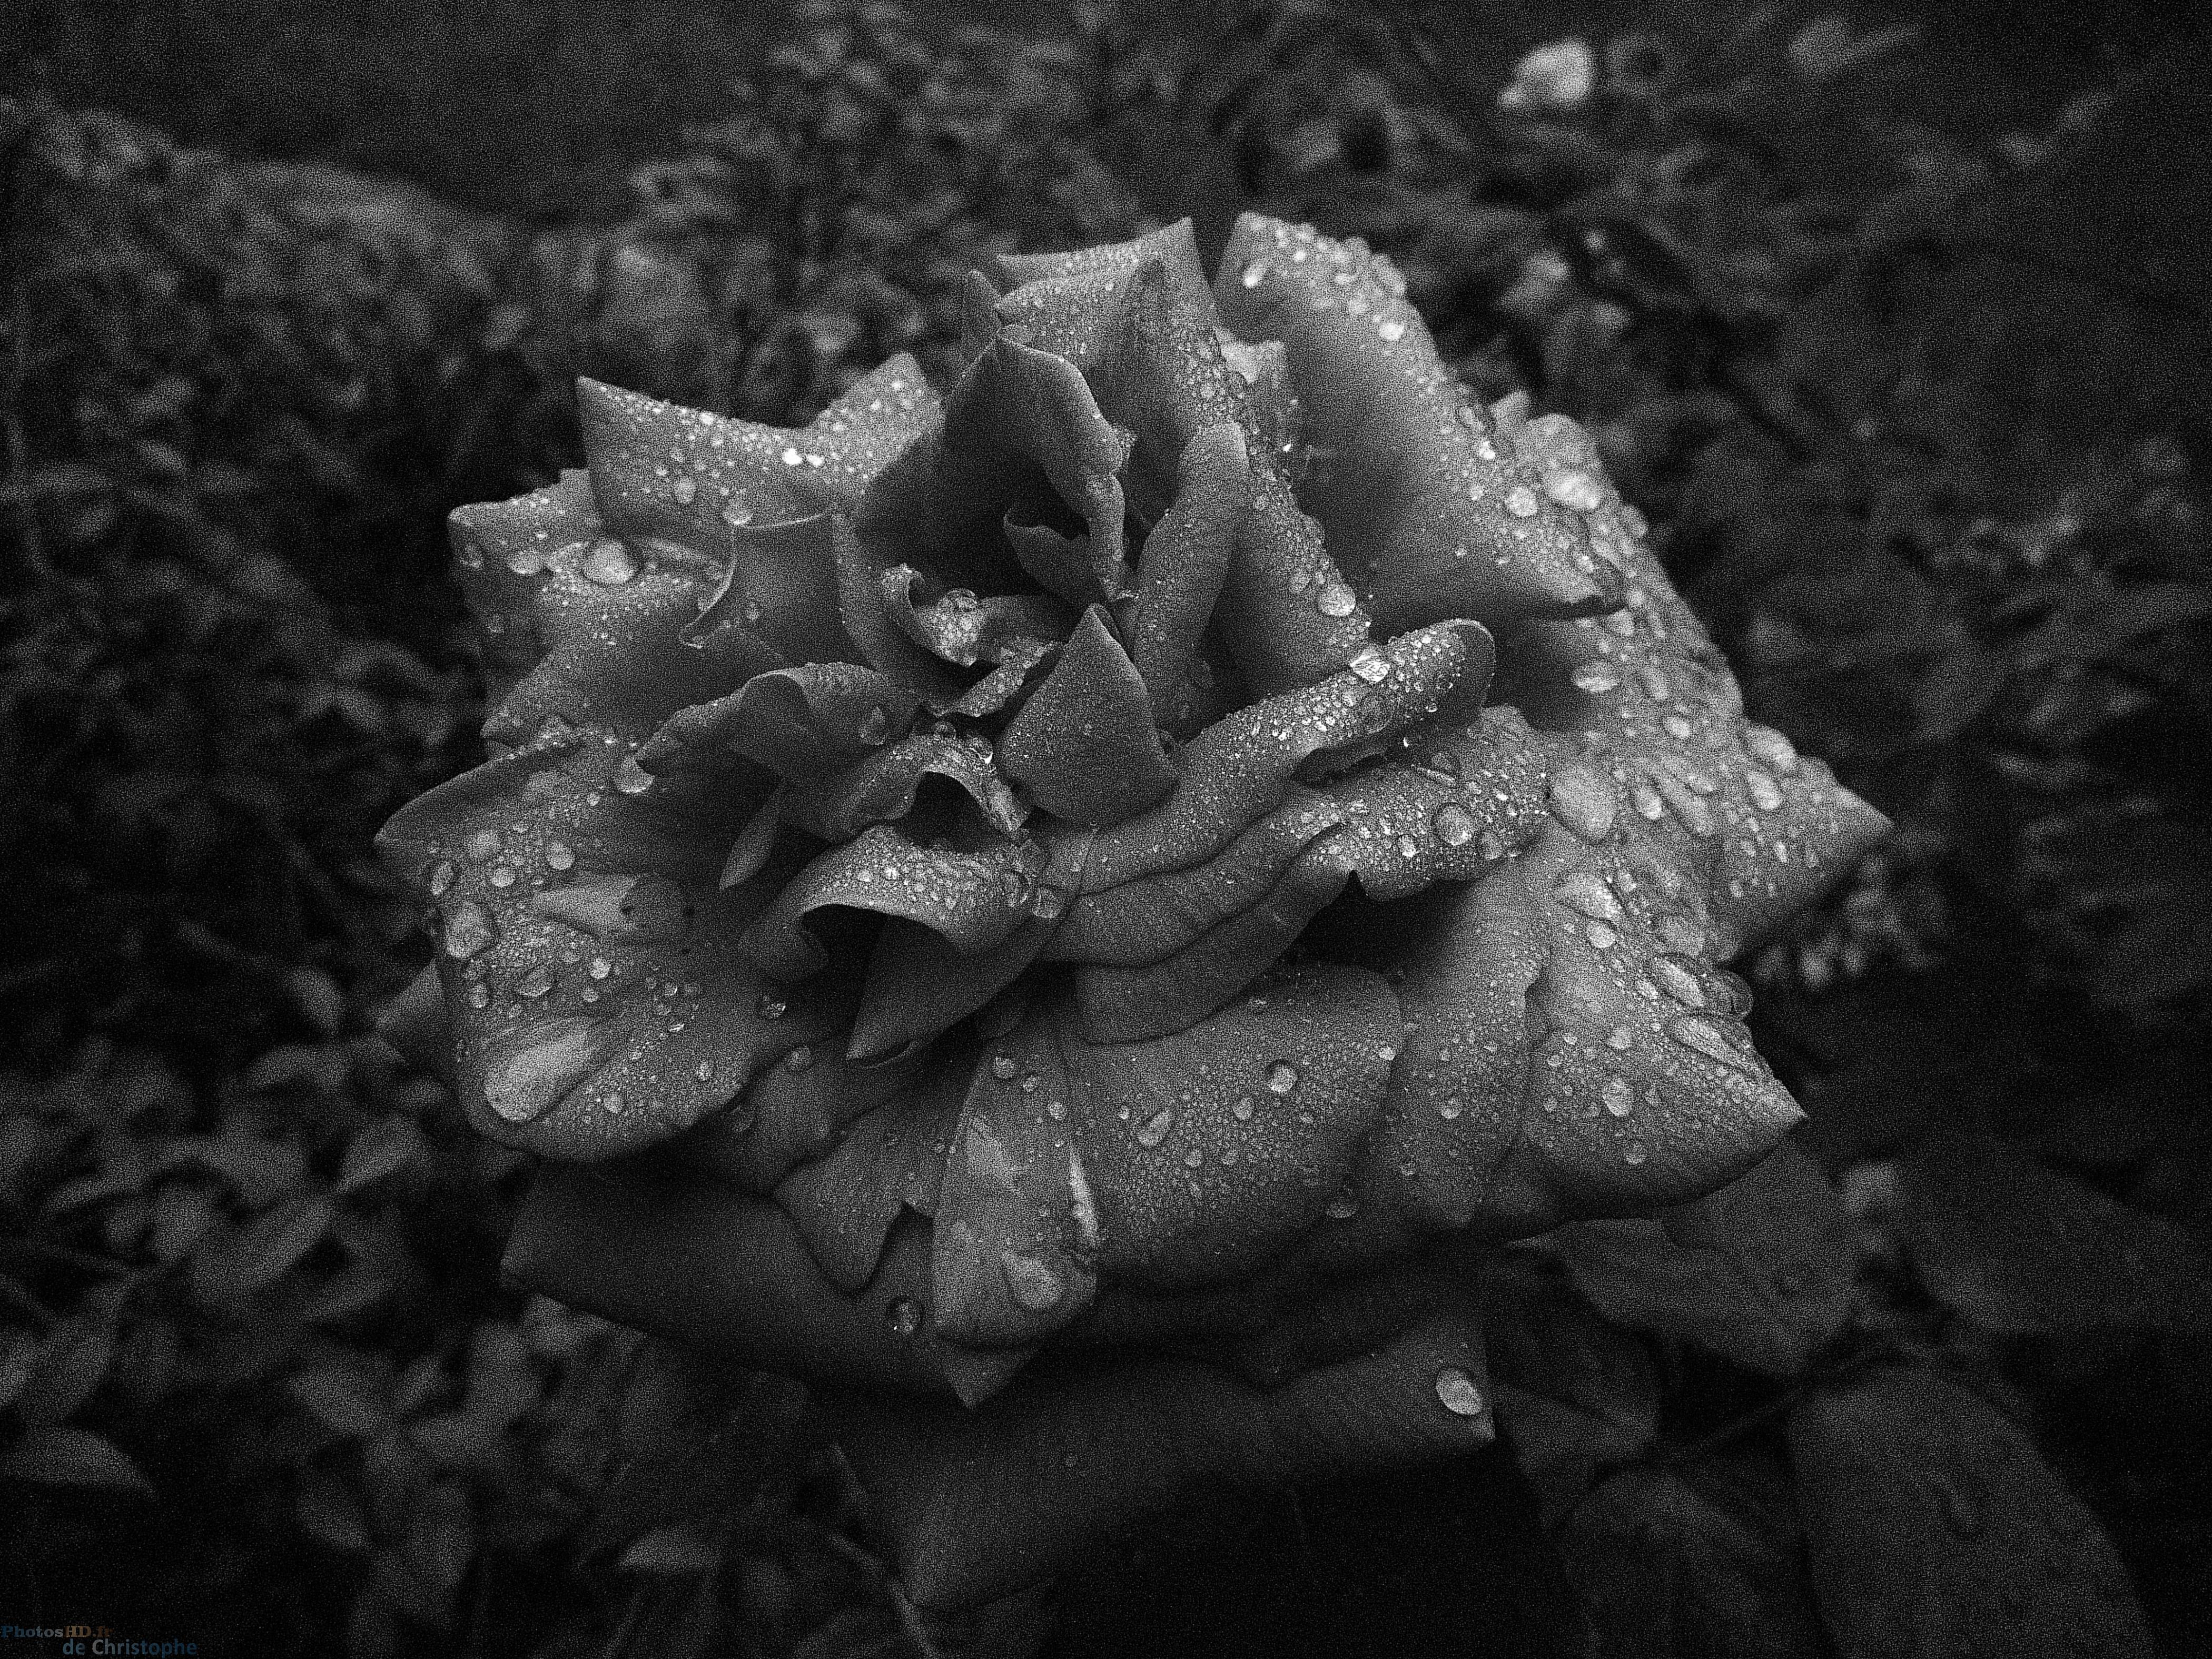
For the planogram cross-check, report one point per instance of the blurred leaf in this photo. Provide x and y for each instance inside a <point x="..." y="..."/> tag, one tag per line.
<point x="1935" y="1528"/>
<point x="330" y="1513"/>
<point x="71" y="1361"/>
<point x="72" y="1457"/>
<point x="1689" y="1564"/>
<point x="382" y="1148"/>
<point x="1955" y="690"/>
<point x="675" y="1552"/>
<point x="2022" y="1251"/>
<point x="262" y="1252"/>
<point x="1759" y="1272"/>
<point x="342" y="1401"/>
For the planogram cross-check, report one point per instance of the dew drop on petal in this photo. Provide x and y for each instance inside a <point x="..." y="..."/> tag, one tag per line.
<point x="1575" y="488"/>
<point x="502" y="876"/>
<point x="1520" y="501"/>
<point x="442" y="878"/>
<point x="1282" y="1077"/>
<point x="1455" y="1389"/>
<point x="1035" y="1285"/>
<point x="1342" y="1207"/>
<point x="1698" y="1032"/>
<point x="1765" y="794"/>
<point x="1583" y="800"/>
<point x="1335" y="599"/>
<point x="535" y="983"/>
<point x="470" y="930"/>
<point x="1370" y="665"/>
<point x="559" y="855"/>
<point x="1454" y="824"/>
<point x="684" y="489"/>
<point x="1680" y="981"/>
<point x="1154" y="1129"/>
<point x="1392" y="330"/>
<point x="1003" y="1067"/>
<point x="630" y="778"/>
<point x="1596" y="676"/>
<point x="1769" y="748"/>
<point x="599" y="968"/>
<point x="1619" y="1098"/>
<point x="484" y="844"/>
<point x="1253" y="273"/>
<point x="610" y="563"/>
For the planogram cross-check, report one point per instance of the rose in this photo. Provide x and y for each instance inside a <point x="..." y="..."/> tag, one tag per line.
<point x="1094" y="894"/>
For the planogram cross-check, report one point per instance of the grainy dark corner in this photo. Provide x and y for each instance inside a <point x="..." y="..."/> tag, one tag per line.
<point x="1110" y="829"/>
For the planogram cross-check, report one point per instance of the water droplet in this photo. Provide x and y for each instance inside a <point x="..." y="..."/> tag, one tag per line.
<point x="599" y="968"/>
<point x="1241" y="1111"/>
<point x="1047" y="903"/>
<point x="1253" y="273"/>
<point x="1648" y="802"/>
<point x="1335" y="599"/>
<point x="1454" y="824"/>
<point x="1342" y="1207"/>
<point x="1370" y="665"/>
<point x="1392" y="330"/>
<point x="1586" y="891"/>
<point x="442" y="878"/>
<point x="470" y="930"/>
<point x="1678" y="976"/>
<point x="1678" y="727"/>
<point x="1409" y="848"/>
<point x="1451" y="1108"/>
<point x="502" y="876"/>
<point x="1620" y="1100"/>
<point x="1620" y="1039"/>
<point x="479" y="995"/>
<point x="1154" y="1129"/>
<point x="1490" y="845"/>
<point x="1698" y="1032"/>
<point x="902" y="1316"/>
<point x="1282" y="1077"/>
<point x="1574" y="488"/>
<point x="630" y="778"/>
<point x="526" y="1085"/>
<point x="484" y="844"/>
<point x="535" y="983"/>
<point x="790" y="457"/>
<point x="1458" y="1394"/>
<point x="799" y="1058"/>
<point x="737" y="514"/>
<point x="1637" y="1152"/>
<point x="1596" y="676"/>
<point x="1003" y="1067"/>
<point x="875" y="725"/>
<point x="1520" y="501"/>
<point x="1769" y="748"/>
<point x="609" y="563"/>
<point x="704" y="1071"/>
<point x="685" y="490"/>
<point x="1654" y="683"/>
<point x="1765" y="794"/>
<point x="1035" y="1285"/>
<point x="1583" y="800"/>
<point x="1601" y="937"/>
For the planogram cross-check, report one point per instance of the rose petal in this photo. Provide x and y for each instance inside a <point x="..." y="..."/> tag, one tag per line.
<point x="963" y="629"/>
<point x="781" y="586"/>
<point x="890" y="1160"/>
<point x="979" y="1504"/>
<point x="1185" y="561"/>
<point x="1766" y="831"/>
<point x="1084" y="745"/>
<point x="499" y="550"/>
<point x="789" y="720"/>
<point x="837" y="803"/>
<point x="1203" y="1153"/>
<point x="597" y="998"/>
<point x="700" y="1263"/>
<point x="1421" y="507"/>
<point x="684" y="476"/>
<point x="974" y="899"/>
<point x="919" y="984"/>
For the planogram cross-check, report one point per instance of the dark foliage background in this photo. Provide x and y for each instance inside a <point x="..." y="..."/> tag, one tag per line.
<point x="1896" y="327"/>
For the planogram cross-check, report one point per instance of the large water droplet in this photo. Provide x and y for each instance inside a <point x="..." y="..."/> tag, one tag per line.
<point x="1335" y="599"/>
<point x="1765" y="794"/>
<point x="1154" y="1129"/>
<point x="442" y="878"/>
<point x="1678" y="975"/>
<point x="1769" y="748"/>
<point x="1520" y="501"/>
<point x="470" y="930"/>
<point x="1392" y="330"/>
<point x="1035" y="1285"/>
<point x="1597" y="675"/>
<point x="610" y="563"/>
<point x="1282" y="1077"/>
<point x="1619" y="1099"/>
<point x="1458" y="1394"/>
<point x="1371" y="665"/>
<point x="483" y="844"/>
<point x="1454" y="824"/>
<point x="1253" y="273"/>
<point x="1575" y="488"/>
<point x="1583" y="800"/>
<point x="685" y="490"/>
<point x="525" y="1086"/>
<point x="535" y="983"/>
<point x="630" y="778"/>
<point x="1342" y="1207"/>
<point x="1585" y="892"/>
<point x="1698" y="1032"/>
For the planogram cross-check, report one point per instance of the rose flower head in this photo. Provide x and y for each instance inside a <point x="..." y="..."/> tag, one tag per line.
<point x="1063" y="911"/>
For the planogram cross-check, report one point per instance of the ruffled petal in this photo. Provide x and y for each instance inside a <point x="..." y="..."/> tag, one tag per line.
<point x="1084" y="745"/>
<point x="1427" y="513"/>
<point x="974" y="899"/>
<point x="781" y="586"/>
<point x="1184" y="563"/>
<point x="1732" y="803"/>
<point x="791" y="720"/>
<point x="597" y="1000"/>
